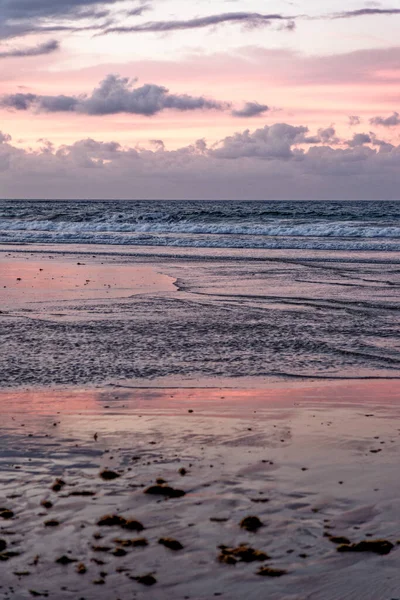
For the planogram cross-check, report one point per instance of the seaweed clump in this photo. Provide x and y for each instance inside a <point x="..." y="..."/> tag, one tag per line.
<point x="377" y="546"/>
<point x="109" y="475"/>
<point x="118" y="521"/>
<point x="170" y="543"/>
<point x="270" y="572"/>
<point x="243" y="553"/>
<point x="146" y="579"/>
<point x="164" y="490"/>
<point x="251" y="524"/>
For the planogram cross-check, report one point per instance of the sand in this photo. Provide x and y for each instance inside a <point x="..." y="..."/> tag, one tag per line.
<point x="255" y="482"/>
<point x="309" y="460"/>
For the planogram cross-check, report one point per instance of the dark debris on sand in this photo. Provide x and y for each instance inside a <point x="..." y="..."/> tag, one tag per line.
<point x="118" y="521"/>
<point x="243" y="553"/>
<point x="58" y="485"/>
<point x="270" y="572"/>
<point x="164" y="490"/>
<point x="146" y="579"/>
<point x="337" y="539"/>
<point x="377" y="546"/>
<point x="134" y="543"/>
<point x="170" y="543"/>
<point x="65" y="560"/>
<point x="108" y="475"/>
<point x="251" y="524"/>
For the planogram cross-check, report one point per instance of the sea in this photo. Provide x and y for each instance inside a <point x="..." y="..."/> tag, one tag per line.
<point x="205" y="224"/>
<point x="262" y="291"/>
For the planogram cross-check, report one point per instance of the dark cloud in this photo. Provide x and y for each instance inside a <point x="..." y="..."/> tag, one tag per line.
<point x="114" y="95"/>
<point x="251" y="109"/>
<point x="28" y="9"/>
<point x="21" y="17"/>
<point x="363" y="12"/>
<point x="45" y="48"/>
<point x="391" y="121"/>
<point x="249" y="19"/>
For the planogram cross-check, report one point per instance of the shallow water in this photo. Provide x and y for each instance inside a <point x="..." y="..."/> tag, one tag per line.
<point x="101" y="317"/>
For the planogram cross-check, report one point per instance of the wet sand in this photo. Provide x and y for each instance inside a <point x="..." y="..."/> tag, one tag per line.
<point x="317" y="464"/>
<point x="255" y="483"/>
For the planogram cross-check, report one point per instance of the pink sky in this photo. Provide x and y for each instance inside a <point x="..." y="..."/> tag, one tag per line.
<point x="316" y="74"/>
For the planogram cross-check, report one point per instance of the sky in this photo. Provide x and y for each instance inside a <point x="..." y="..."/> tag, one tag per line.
<point x="213" y="99"/>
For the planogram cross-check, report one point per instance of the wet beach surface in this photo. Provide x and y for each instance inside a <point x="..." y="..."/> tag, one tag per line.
<point x="314" y="465"/>
<point x="91" y="317"/>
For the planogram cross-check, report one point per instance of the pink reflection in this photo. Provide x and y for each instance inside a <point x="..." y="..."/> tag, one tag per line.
<point x="45" y="280"/>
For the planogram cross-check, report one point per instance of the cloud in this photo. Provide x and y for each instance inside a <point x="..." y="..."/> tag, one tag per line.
<point x="364" y="12"/>
<point x="391" y="121"/>
<point x="278" y="141"/>
<point x="269" y="163"/>
<point x="325" y="135"/>
<point x="270" y="142"/>
<point x="359" y="139"/>
<point x="40" y="49"/>
<point x="114" y="95"/>
<point x="250" y="19"/>
<point x="251" y="109"/>
<point x="4" y="138"/>
<point x="21" y="17"/>
<point x="354" y="120"/>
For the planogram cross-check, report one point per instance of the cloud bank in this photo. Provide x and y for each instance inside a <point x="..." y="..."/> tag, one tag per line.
<point x="276" y="162"/>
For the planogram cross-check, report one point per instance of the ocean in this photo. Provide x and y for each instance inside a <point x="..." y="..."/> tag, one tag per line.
<point x="259" y="291"/>
<point x="187" y="224"/>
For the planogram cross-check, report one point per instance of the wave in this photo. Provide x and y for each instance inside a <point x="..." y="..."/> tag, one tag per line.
<point x="199" y="241"/>
<point x="311" y="229"/>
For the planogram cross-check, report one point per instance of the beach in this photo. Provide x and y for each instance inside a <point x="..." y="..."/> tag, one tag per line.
<point x="313" y="462"/>
<point x="185" y="422"/>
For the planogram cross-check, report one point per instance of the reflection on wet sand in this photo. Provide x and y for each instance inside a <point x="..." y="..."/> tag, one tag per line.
<point x="315" y="464"/>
